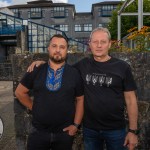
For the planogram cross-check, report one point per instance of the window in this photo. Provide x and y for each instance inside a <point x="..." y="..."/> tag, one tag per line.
<point x="16" y="12"/>
<point x="78" y="28"/>
<point x="35" y="13"/>
<point x="66" y="12"/>
<point x="83" y="27"/>
<point x="59" y="12"/>
<point x="61" y="27"/>
<point x="103" y="25"/>
<point x="38" y="36"/>
<point x="106" y="10"/>
<point x="87" y="27"/>
<point x="64" y="27"/>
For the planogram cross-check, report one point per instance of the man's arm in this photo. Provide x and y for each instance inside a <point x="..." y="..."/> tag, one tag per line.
<point x="72" y="129"/>
<point x="23" y="96"/>
<point x="79" y="110"/>
<point x="132" y="110"/>
<point x="35" y="63"/>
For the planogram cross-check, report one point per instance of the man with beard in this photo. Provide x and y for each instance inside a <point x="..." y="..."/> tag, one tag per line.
<point x="55" y="85"/>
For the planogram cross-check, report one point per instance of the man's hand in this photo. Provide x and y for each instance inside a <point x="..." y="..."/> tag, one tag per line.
<point x="131" y="141"/>
<point x="35" y="64"/>
<point x="71" y="130"/>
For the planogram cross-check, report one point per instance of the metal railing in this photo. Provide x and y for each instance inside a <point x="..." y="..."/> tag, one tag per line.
<point x="10" y="29"/>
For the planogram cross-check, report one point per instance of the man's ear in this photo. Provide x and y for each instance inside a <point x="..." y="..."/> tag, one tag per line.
<point x="48" y="48"/>
<point x="110" y="44"/>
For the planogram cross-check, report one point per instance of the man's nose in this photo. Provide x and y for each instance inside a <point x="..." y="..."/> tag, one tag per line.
<point x="99" y="44"/>
<point x="57" y="49"/>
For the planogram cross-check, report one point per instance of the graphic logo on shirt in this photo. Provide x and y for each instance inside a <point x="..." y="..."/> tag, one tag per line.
<point x="100" y="79"/>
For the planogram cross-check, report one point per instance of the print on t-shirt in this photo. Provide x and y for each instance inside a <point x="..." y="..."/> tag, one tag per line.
<point x="100" y="79"/>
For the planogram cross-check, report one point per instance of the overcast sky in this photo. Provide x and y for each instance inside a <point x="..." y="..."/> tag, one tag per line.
<point x="80" y="5"/>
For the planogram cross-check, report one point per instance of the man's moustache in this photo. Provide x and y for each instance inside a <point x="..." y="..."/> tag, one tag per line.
<point x="57" y="54"/>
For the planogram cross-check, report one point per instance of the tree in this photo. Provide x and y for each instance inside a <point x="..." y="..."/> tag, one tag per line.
<point x="128" y="22"/>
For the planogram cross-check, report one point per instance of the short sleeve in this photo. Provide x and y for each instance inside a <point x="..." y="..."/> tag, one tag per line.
<point x="129" y="82"/>
<point x="79" y="89"/>
<point x="27" y="80"/>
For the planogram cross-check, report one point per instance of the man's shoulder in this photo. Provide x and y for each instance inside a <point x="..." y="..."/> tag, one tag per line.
<point x="120" y="62"/>
<point x="41" y="67"/>
<point x="84" y="61"/>
<point x="70" y="68"/>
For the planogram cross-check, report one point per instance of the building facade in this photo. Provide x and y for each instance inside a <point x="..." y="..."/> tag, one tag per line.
<point x="63" y="16"/>
<point x="44" y="18"/>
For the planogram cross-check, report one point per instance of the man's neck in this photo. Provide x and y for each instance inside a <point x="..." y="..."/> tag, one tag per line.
<point x="55" y="66"/>
<point x="102" y="58"/>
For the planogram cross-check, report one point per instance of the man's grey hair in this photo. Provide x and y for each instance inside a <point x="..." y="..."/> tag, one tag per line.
<point x="101" y="29"/>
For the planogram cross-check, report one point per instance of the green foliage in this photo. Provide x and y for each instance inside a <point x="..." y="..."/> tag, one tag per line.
<point x="128" y="22"/>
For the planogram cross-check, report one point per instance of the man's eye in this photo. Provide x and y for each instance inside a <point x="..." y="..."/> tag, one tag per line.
<point x="103" y="42"/>
<point x="95" y="42"/>
<point x="53" y="45"/>
<point x="63" y="47"/>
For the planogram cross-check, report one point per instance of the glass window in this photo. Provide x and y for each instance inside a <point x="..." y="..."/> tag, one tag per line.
<point x="16" y="12"/>
<point x="43" y="13"/>
<point x="34" y="26"/>
<point x="59" y="12"/>
<point x="100" y="25"/>
<point x="35" y="13"/>
<point x="40" y="44"/>
<point x="66" y="12"/>
<point x="38" y="36"/>
<point x="30" y="38"/>
<point x="106" y="10"/>
<point x="30" y="44"/>
<point x="29" y="16"/>
<point x="87" y="27"/>
<point x="34" y="32"/>
<point x="103" y="25"/>
<point x="78" y="28"/>
<point x="40" y="29"/>
<point x="34" y="38"/>
<point x="83" y="27"/>
<point x="18" y="22"/>
<point x="2" y="16"/>
<point x="34" y="44"/>
<point x="60" y="27"/>
<point x="10" y="20"/>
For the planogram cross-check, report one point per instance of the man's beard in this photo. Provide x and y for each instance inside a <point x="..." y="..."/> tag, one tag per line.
<point x="57" y="58"/>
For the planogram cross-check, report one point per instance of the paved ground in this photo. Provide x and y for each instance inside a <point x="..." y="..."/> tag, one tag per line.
<point x="7" y="142"/>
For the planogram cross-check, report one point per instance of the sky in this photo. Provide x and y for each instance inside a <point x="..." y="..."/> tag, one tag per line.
<point x="80" y="5"/>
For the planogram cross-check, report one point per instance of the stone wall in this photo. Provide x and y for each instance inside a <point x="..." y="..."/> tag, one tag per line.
<point x="140" y="65"/>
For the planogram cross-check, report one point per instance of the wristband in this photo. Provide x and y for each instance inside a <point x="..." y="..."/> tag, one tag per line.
<point x="136" y="132"/>
<point x="76" y="125"/>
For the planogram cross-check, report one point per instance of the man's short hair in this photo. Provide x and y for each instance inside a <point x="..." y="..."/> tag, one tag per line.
<point x="59" y="36"/>
<point x="101" y="29"/>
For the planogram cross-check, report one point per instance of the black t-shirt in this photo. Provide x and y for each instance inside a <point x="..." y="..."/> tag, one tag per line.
<point x="104" y="86"/>
<point x="53" y="110"/>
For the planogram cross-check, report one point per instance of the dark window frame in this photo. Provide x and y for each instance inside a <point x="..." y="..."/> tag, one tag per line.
<point x="35" y="13"/>
<point x="106" y="10"/>
<point x="82" y="27"/>
<point x="59" y="12"/>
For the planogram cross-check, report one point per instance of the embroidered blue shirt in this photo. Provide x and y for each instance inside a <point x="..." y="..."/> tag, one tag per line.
<point x="54" y="80"/>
